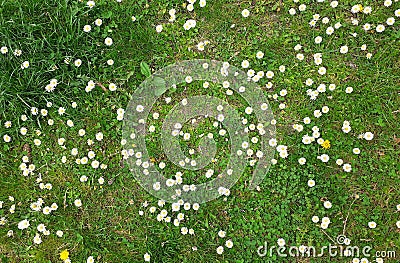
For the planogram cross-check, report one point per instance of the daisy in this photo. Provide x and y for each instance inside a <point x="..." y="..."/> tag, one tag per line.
<point x="6" y="138"/>
<point x="349" y="90"/>
<point x="390" y="21"/>
<point x="87" y="28"/>
<point x="41" y="228"/>
<point x="326" y="220"/>
<point x="18" y="52"/>
<point x="367" y="26"/>
<point x="368" y="136"/>
<point x="367" y="10"/>
<point x="297" y="47"/>
<point x="112" y="87"/>
<point x="245" y="64"/>
<point x="220" y="250"/>
<point x="25" y="64"/>
<point x="372" y="224"/>
<point x="78" y="203"/>
<point x="98" y="22"/>
<point x="325" y="109"/>
<point x="4" y="50"/>
<point x="355" y="9"/>
<point x="229" y="243"/>
<point x="78" y="62"/>
<point x="327" y="204"/>
<point x="245" y="13"/>
<point x="188" y="79"/>
<point x="54" y="206"/>
<point x="61" y="111"/>
<point x="108" y="41"/>
<point x="200" y="46"/>
<point x="270" y="74"/>
<point x="248" y="110"/>
<point x="46" y="210"/>
<point x="281" y="242"/>
<point x="347" y="167"/>
<point x="159" y="28"/>
<point x="324" y="158"/>
<point x="90" y="4"/>
<point x="317" y="113"/>
<point x="322" y="70"/>
<point x="387" y="3"/>
<point x="330" y="30"/>
<point x="344" y="49"/>
<point x="110" y="62"/>
<point x="311" y="183"/>
<point x="338" y="25"/>
<point x="380" y="28"/>
<point x="300" y="56"/>
<point x="260" y="54"/>
<point x="24" y="224"/>
<point x="37" y="239"/>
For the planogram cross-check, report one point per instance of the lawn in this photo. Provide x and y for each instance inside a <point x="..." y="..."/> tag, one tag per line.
<point x="317" y="166"/>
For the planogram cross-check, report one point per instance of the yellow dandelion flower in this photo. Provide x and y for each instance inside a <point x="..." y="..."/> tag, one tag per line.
<point x="326" y="144"/>
<point x="361" y="7"/>
<point x="64" y="255"/>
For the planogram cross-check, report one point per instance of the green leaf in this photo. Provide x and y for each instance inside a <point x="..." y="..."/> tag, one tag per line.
<point x="107" y="14"/>
<point x="130" y="74"/>
<point x="145" y="69"/>
<point x="160" y="85"/>
<point x="79" y="238"/>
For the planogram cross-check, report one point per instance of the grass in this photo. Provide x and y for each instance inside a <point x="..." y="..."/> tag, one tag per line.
<point x="108" y="225"/>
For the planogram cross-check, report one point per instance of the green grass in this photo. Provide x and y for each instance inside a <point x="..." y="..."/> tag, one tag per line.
<point x="108" y="225"/>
